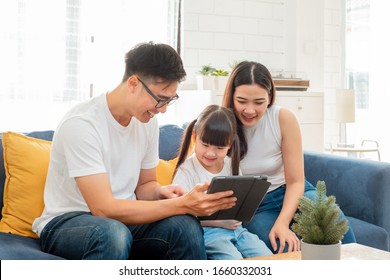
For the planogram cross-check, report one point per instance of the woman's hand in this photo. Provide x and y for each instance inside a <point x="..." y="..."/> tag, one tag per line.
<point x="285" y="235"/>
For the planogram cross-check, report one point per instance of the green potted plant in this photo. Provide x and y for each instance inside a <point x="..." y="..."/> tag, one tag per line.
<point x="206" y="70"/>
<point x="233" y="64"/>
<point x="221" y="78"/>
<point x="205" y="80"/>
<point x="220" y="72"/>
<point x="317" y="222"/>
<point x="211" y="78"/>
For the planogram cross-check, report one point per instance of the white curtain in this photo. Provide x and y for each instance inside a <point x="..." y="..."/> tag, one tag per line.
<point x="58" y="53"/>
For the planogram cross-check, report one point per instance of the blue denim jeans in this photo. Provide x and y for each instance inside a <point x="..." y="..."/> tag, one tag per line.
<point x="227" y="244"/>
<point x="80" y="235"/>
<point x="269" y="210"/>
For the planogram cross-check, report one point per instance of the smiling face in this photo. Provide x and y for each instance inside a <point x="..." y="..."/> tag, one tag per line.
<point x="210" y="157"/>
<point x="250" y="103"/>
<point x="146" y="108"/>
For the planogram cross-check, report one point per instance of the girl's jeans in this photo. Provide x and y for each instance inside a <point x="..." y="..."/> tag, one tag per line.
<point x="227" y="244"/>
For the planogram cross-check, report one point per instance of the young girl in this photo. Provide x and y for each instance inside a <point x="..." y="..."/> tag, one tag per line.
<point x="217" y="153"/>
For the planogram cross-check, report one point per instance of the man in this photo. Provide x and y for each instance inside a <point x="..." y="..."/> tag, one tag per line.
<point x="102" y="200"/>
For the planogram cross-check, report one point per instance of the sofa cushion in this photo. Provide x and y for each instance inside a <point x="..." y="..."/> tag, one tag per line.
<point x="14" y="247"/>
<point x="164" y="171"/>
<point x="369" y="234"/>
<point x="361" y="187"/>
<point x="362" y="191"/>
<point x="26" y="160"/>
<point x="45" y="135"/>
<point x="169" y="142"/>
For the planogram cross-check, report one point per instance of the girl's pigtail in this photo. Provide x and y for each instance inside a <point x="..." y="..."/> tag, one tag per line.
<point x="185" y="144"/>
<point x="235" y="155"/>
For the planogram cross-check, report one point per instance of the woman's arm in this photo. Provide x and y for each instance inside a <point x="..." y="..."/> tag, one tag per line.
<point x="292" y="154"/>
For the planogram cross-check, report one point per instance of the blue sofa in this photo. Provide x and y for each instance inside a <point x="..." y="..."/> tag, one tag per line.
<point x="361" y="187"/>
<point x="362" y="190"/>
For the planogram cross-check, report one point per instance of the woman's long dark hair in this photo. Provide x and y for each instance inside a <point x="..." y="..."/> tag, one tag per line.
<point x="215" y="126"/>
<point x="247" y="73"/>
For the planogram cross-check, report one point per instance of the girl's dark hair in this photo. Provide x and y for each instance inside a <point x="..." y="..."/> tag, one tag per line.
<point x="215" y="126"/>
<point x="150" y="60"/>
<point x="247" y="73"/>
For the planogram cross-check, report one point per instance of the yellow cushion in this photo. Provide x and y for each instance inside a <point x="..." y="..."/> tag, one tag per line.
<point x="165" y="170"/>
<point x="26" y="161"/>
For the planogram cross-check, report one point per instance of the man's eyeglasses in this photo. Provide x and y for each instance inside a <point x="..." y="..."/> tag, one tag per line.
<point x="160" y="102"/>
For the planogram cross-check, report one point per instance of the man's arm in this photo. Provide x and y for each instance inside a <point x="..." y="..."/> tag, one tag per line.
<point x="149" y="189"/>
<point x="96" y="191"/>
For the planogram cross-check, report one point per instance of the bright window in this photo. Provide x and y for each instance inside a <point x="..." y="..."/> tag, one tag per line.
<point x="58" y="53"/>
<point x="367" y="62"/>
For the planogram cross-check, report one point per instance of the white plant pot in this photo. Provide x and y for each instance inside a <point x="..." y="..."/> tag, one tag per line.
<point x="320" y="252"/>
<point x="221" y="82"/>
<point x="206" y="82"/>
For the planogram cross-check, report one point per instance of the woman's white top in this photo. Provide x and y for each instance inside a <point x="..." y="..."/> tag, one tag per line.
<point x="264" y="156"/>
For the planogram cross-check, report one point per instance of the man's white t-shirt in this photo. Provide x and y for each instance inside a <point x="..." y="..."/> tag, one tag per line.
<point x="90" y="141"/>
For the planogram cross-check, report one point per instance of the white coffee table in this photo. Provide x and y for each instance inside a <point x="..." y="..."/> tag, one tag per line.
<point x="351" y="251"/>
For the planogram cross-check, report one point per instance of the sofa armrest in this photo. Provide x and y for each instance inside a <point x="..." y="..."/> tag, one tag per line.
<point x="361" y="187"/>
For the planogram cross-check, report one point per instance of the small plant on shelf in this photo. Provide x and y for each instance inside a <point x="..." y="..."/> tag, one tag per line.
<point x="317" y="221"/>
<point x="211" y="78"/>
<point x="220" y="72"/>
<point x="234" y="63"/>
<point x="206" y="70"/>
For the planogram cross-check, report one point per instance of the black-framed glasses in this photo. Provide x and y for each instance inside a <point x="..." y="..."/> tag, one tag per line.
<point x="160" y="102"/>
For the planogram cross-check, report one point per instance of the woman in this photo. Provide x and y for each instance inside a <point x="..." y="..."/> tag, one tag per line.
<point x="271" y="145"/>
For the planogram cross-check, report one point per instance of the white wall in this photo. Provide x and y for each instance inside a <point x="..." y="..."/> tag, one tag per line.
<point x="222" y="31"/>
<point x="303" y="36"/>
<point x="334" y="66"/>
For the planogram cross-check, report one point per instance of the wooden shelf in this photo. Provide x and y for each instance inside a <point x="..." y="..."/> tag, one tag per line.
<point x="291" y="84"/>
